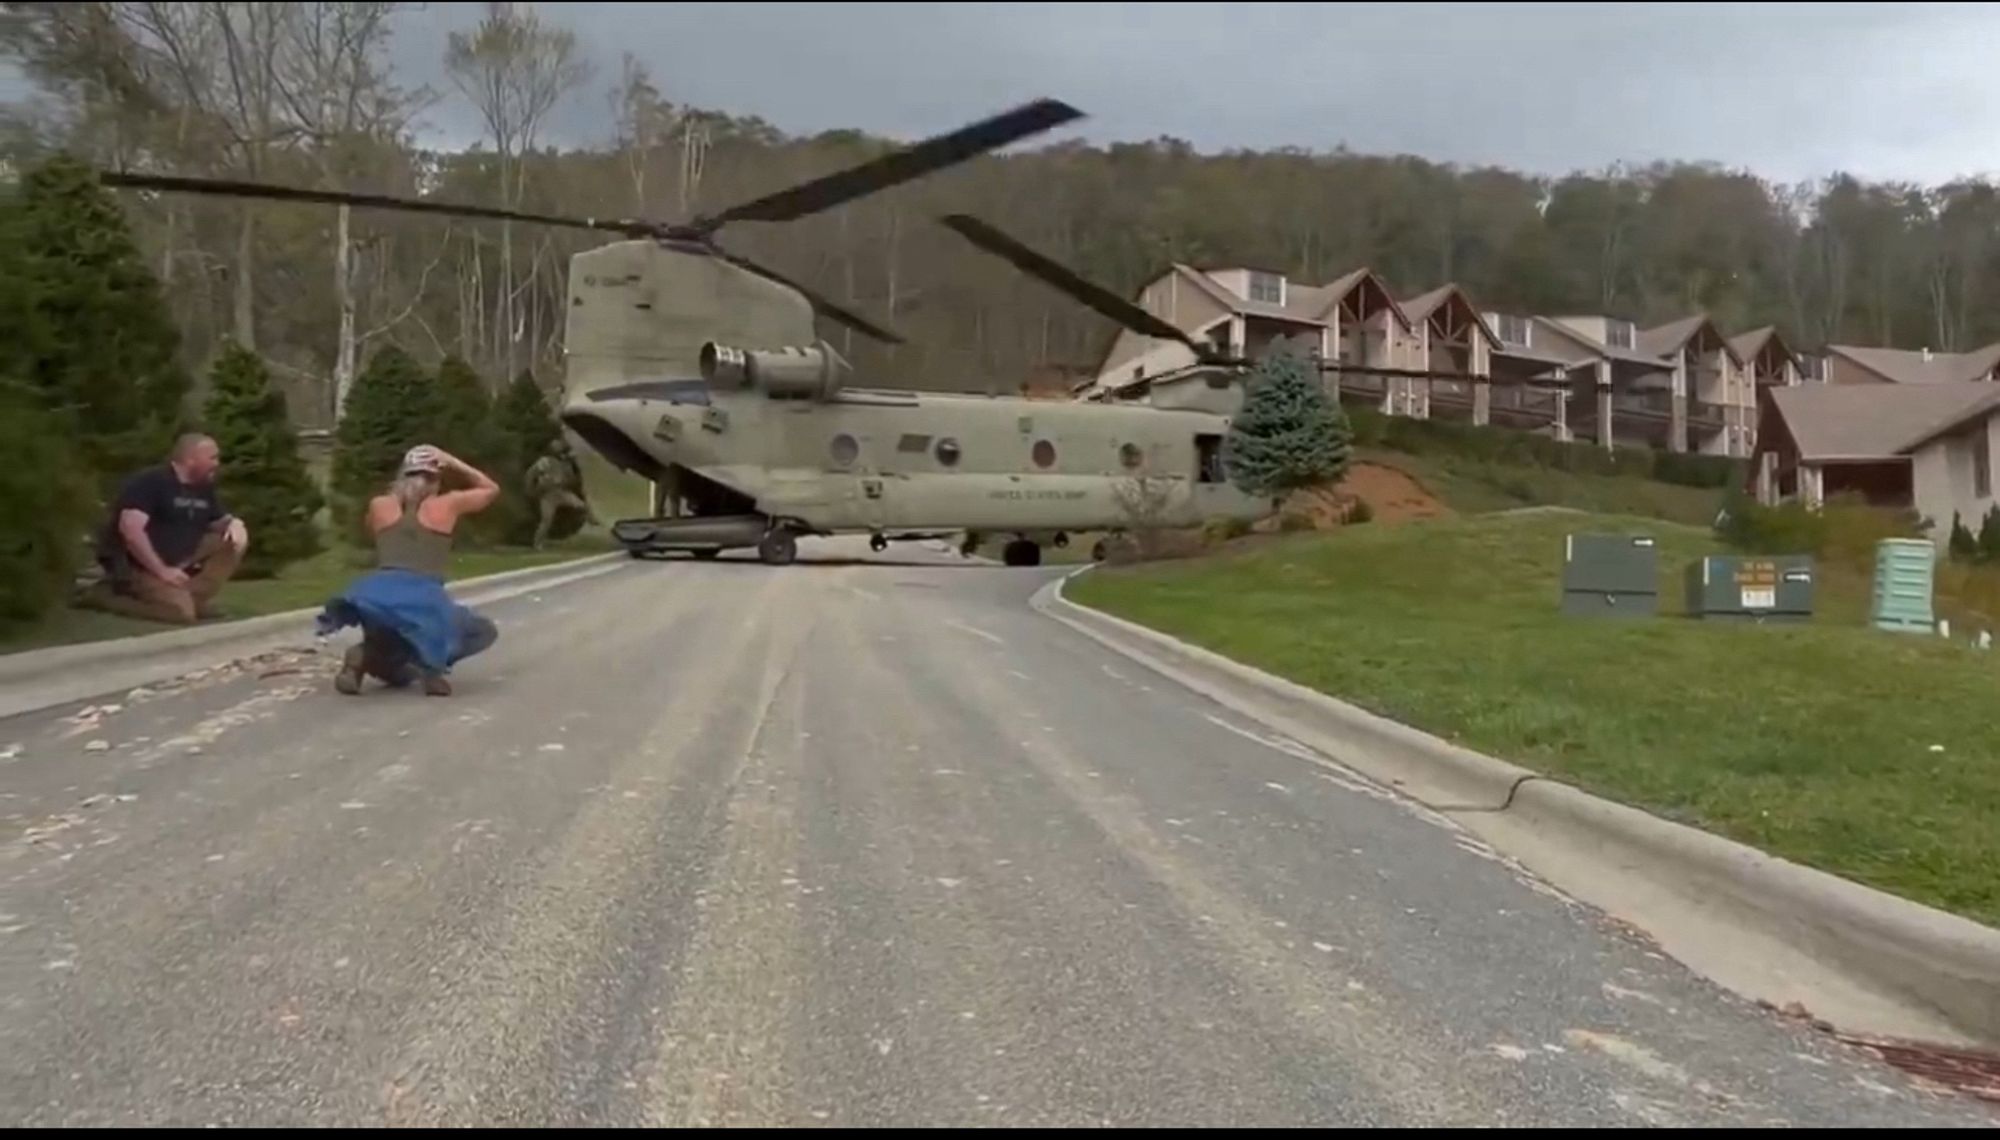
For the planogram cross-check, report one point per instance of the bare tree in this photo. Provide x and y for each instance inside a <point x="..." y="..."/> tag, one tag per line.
<point x="645" y="122"/>
<point x="334" y="80"/>
<point x="515" y="70"/>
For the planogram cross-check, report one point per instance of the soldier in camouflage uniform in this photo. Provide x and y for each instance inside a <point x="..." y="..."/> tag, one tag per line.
<point x="556" y="482"/>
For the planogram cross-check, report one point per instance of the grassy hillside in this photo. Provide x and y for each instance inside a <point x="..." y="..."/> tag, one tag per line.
<point x="1476" y="486"/>
<point x="1871" y="755"/>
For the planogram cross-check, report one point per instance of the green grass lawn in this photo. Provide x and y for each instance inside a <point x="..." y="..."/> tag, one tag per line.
<point x="1813" y="742"/>
<point x="300" y="585"/>
<point x="1473" y="486"/>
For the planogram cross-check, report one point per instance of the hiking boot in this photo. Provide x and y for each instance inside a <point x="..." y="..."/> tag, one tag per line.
<point x="436" y="686"/>
<point x="348" y="680"/>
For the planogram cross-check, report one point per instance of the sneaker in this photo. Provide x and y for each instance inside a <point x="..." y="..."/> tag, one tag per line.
<point x="348" y="680"/>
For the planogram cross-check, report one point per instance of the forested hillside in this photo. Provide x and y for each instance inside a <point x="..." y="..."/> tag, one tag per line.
<point x="300" y="94"/>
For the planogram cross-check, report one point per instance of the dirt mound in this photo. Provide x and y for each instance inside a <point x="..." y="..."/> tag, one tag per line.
<point x="1392" y="495"/>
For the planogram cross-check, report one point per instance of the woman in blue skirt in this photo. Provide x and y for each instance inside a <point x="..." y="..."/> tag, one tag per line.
<point x="411" y="629"/>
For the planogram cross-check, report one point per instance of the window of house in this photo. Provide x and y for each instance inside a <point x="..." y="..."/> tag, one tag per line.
<point x="1982" y="463"/>
<point x="1267" y="287"/>
<point x="1620" y="334"/>
<point x="1511" y="329"/>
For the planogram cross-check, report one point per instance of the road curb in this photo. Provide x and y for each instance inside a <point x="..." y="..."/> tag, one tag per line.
<point x="1941" y="967"/>
<point x="43" y="678"/>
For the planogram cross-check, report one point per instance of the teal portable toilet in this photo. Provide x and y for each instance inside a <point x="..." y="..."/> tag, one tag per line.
<point x="1904" y="571"/>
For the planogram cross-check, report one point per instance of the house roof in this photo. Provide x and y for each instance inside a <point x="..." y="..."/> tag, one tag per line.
<point x="1663" y="340"/>
<point x="1420" y="308"/>
<point x="1244" y="306"/>
<point x="1748" y="345"/>
<point x="1630" y="356"/>
<point x="1868" y="421"/>
<point x="1901" y="366"/>
<point x="1320" y="301"/>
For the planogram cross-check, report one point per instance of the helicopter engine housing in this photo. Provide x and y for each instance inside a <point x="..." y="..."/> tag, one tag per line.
<point x="810" y="373"/>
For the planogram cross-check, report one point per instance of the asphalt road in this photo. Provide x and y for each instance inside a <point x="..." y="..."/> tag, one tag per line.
<point x="845" y="843"/>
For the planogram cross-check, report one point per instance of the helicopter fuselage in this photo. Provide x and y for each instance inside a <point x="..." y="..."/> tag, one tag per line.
<point x="841" y="459"/>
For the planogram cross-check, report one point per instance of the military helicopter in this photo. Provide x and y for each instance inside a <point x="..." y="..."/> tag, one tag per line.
<point x="701" y="371"/>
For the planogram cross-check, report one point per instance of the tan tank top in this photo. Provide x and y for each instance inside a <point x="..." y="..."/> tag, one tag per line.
<point x="407" y="544"/>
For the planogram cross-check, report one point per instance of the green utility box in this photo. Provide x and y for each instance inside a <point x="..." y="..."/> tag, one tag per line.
<point x="1751" y="587"/>
<point x="1610" y="575"/>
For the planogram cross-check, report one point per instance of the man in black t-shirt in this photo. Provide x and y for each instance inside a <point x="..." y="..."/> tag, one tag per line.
<point x="168" y="545"/>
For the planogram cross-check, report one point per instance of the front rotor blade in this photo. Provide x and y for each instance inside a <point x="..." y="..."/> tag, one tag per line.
<point x="901" y="166"/>
<point x="827" y="308"/>
<point x="1066" y="280"/>
<point x="230" y="189"/>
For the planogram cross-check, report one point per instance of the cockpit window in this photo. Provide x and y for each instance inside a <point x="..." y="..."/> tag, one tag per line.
<point x="668" y="391"/>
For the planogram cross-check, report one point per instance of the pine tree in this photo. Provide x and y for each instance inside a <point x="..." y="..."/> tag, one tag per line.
<point x="47" y="510"/>
<point x="1962" y="544"/>
<point x="527" y="425"/>
<point x="1289" y="433"/>
<point x="392" y="407"/>
<point x="264" y="481"/>
<point x="1989" y="536"/>
<point x="527" y="420"/>
<point x="89" y="329"/>
<point x="471" y="429"/>
<point x="466" y="426"/>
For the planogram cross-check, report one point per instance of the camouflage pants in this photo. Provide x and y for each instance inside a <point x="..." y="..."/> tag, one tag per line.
<point x="553" y="501"/>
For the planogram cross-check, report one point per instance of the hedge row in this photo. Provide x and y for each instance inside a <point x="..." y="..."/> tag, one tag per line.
<point x="1523" y="449"/>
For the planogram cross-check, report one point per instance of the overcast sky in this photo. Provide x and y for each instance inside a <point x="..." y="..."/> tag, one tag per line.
<point x="1792" y="91"/>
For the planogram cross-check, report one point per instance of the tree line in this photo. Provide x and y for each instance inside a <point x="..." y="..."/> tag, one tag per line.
<point x="304" y="94"/>
<point x="93" y="388"/>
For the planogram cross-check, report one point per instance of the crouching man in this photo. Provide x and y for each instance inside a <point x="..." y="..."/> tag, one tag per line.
<point x="169" y="546"/>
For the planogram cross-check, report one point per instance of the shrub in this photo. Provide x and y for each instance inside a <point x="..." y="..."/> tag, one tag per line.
<point x="264" y="481"/>
<point x="1360" y="512"/>
<point x="87" y="329"/>
<point x="391" y="408"/>
<point x="47" y="510"/>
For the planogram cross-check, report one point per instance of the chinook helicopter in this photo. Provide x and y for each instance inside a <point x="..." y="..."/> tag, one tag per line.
<point x="701" y="371"/>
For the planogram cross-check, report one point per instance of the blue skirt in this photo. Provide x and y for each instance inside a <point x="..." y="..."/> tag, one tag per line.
<point x="411" y="605"/>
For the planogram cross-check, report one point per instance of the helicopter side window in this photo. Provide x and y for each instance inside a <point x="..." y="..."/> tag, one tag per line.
<point x="845" y="450"/>
<point x="1044" y="453"/>
<point x="1131" y="456"/>
<point x="947" y="452"/>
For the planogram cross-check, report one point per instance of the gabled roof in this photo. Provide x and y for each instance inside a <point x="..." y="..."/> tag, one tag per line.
<point x="1901" y="366"/>
<point x="1664" y="340"/>
<point x="1748" y="345"/>
<point x="1420" y="308"/>
<point x="1242" y="306"/>
<point x="1869" y="421"/>
<point x="1629" y="355"/>
<point x="1319" y="302"/>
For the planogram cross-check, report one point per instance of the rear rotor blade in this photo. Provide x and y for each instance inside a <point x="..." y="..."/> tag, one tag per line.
<point x="1067" y="281"/>
<point x="901" y="166"/>
<point x="825" y="307"/>
<point x="231" y="189"/>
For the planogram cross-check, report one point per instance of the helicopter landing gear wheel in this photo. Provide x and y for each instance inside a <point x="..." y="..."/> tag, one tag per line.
<point x="1022" y="552"/>
<point x="877" y="543"/>
<point x="779" y="547"/>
